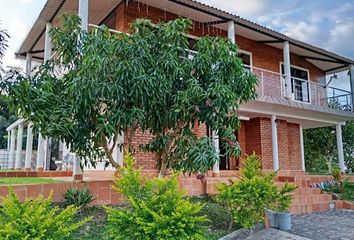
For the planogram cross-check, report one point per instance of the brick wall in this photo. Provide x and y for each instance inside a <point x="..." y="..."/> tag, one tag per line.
<point x="263" y="56"/>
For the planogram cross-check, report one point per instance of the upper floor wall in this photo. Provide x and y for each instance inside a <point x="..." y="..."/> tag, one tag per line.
<point x="262" y="55"/>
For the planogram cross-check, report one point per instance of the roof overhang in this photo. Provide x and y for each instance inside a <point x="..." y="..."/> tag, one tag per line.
<point x="99" y="10"/>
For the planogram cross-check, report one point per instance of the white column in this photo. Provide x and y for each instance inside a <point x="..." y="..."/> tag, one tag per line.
<point x="302" y="149"/>
<point x="12" y="148"/>
<point x="19" y="146"/>
<point x="340" y="147"/>
<point x="216" y="167"/>
<point x="287" y="72"/>
<point x="351" y="74"/>
<point x="47" y="43"/>
<point x="120" y="150"/>
<point x="231" y="33"/>
<point x="29" y="147"/>
<point x="77" y="170"/>
<point x="8" y="139"/>
<point x="83" y="14"/>
<point x="28" y="64"/>
<point x="40" y="153"/>
<point x="275" y="144"/>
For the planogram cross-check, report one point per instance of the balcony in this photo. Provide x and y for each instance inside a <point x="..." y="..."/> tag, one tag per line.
<point x="272" y="84"/>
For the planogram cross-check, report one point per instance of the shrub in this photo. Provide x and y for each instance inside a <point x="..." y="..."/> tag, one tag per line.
<point x="36" y="219"/>
<point x="78" y="197"/>
<point x="157" y="210"/>
<point x="255" y="192"/>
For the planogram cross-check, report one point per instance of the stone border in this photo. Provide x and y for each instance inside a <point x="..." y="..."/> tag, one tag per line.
<point x="243" y="233"/>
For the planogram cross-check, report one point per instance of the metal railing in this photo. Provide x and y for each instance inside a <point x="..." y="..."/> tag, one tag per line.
<point x="305" y="91"/>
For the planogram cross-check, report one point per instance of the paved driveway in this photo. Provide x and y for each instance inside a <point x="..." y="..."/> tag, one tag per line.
<point x="329" y="225"/>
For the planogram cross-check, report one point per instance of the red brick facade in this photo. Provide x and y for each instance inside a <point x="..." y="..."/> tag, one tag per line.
<point x="254" y="135"/>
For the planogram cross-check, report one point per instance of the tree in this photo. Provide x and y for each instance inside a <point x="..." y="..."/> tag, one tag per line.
<point x="321" y="148"/>
<point x="113" y="83"/>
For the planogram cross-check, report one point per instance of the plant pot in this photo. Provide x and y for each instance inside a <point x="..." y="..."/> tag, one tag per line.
<point x="284" y="220"/>
<point x="272" y="218"/>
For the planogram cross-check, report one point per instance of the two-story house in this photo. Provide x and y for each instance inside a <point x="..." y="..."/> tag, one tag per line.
<point x="293" y="93"/>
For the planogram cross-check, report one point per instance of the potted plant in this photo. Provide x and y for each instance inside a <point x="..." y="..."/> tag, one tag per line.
<point x="284" y="199"/>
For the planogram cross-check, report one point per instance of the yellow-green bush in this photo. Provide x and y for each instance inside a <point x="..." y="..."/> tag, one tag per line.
<point x="158" y="209"/>
<point x="248" y="198"/>
<point x="36" y="219"/>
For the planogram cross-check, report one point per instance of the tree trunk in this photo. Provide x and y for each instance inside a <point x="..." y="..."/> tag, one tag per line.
<point x="163" y="169"/>
<point x="231" y="221"/>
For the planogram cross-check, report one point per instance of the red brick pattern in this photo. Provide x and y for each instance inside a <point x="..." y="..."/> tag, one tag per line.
<point x="36" y="174"/>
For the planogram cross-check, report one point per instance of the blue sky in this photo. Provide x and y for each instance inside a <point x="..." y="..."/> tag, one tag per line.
<point x="324" y="23"/>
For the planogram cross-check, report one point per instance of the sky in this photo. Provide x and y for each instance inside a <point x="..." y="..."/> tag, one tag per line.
<point x="325" y="23"/>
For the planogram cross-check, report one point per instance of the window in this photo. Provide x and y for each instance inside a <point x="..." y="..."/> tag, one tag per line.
<point x="299" y="83"/>
<point x="246" y="58"/>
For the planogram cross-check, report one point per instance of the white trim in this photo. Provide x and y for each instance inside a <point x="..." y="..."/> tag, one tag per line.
<point x="244" y="118"/>
<point x="286" y="115"/>
<point x="248" y="53"/>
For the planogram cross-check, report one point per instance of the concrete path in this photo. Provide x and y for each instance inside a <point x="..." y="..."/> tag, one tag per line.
<point x="330" y="225"/>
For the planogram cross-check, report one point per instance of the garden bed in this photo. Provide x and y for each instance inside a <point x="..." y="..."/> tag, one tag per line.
<point x="347" y="192"/>
<point x="95" y="229"/>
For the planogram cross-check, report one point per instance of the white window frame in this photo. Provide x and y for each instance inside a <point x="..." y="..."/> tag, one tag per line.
<point x="251" y="57"/>
<point x="308" y="80"/>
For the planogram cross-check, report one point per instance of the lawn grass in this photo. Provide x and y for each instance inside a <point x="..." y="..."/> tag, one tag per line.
<point x="95" y="229"/>
<point x="347" y="192"/>
<point x="26" y="180"/>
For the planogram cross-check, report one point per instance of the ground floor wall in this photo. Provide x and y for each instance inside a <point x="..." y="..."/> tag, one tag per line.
<point x="254" y="135"/>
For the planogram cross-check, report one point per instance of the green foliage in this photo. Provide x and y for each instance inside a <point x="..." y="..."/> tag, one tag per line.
<point x="36" y="219"/>
<point x="158" y="209"/>
<point x="79" y="197"/>
<point x="321" y="148"/>
<point x="248" y="198"/>
<point x="142" y="80"/>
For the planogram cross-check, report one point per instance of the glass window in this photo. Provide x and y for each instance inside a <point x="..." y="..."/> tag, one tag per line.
<point x="299" y="83"/>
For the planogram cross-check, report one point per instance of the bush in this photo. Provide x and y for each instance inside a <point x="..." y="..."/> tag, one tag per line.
<point x="248" y="198"/>
<point x="36" y="219"/>
<point x="157" y="210"/>
<point x="78" y="197"/>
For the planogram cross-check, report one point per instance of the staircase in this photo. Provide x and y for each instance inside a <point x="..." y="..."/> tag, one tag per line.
<point x="306" y="199"/>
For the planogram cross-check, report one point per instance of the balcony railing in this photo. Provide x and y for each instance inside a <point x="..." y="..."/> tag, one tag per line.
<point x="273" y="84"/>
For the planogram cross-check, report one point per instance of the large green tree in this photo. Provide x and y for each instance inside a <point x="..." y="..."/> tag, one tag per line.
<point x="102" y="84"/>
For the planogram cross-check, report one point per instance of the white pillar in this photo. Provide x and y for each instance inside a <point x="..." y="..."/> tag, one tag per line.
<point x="8" y="139"/>
<point x="12" y="148"/>
<point x="19" y="146"/>
<point x="83" y="14"/>
<point x="351" y="74"/>
<point x="40" y="153"/>
<point x="216" y="167"/>
<point x="120" y="150"/>
<point x="77" y="170"/>
<point x="29" y="147"/>
<point x="340" y="147"/>
<point x="287" y="72"/>
<point x="275" y="144"/>
<point x="47" y="43"/>
<point x="28" y="64"/>
<point x="231" y="31"/>
<point x="302" y="149"/>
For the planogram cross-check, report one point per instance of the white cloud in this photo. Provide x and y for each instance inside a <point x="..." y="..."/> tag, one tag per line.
<point x="244" y="8"/>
